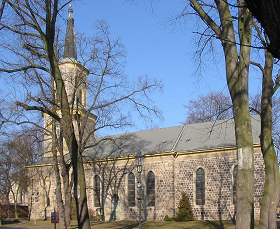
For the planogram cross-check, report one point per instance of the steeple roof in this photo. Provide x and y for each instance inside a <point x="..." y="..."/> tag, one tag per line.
<point x="70" y="50"/>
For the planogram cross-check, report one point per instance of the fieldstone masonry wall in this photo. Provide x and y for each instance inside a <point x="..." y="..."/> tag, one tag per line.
<point x="176" y="175"/>
<point x="173" y="175"/>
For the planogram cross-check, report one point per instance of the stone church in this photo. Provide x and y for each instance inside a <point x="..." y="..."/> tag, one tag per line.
<point x="198" y="159"/>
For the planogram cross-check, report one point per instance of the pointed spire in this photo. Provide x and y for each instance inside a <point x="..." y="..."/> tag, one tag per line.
<point x="70" y="50"/>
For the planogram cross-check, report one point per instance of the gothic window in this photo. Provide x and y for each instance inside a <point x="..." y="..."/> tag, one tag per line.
<point x="200" y="187"/>
<point x="96" y="189"/>
<point x="131" y="190"/>
<point x="234" y="176"/>
<point x="151" y="189"/>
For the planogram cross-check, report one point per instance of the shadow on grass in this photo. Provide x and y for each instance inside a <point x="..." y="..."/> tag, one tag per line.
<point x="8" y="222"/>
<point x="119" y="224"/>
<point x="129" y="226"/>
<point x="215" y="225"/>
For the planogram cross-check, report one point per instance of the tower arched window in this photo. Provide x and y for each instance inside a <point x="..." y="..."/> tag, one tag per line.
<point x="234" y="180"/>
<point x="80" y="97"/>
<point x="151" y="189"/>
<point x="96" y="189"/>
<point x="200" y="187"/>
<point x="131" y="190"/>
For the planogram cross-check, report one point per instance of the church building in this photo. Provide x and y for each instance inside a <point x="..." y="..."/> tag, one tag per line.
<point x="197" y="159"/>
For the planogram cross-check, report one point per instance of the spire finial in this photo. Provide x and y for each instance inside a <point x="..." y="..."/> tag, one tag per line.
<point x="70" y="11"/>
<point x="70" y="41"/>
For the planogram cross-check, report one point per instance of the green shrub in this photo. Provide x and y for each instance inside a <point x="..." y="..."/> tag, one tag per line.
<point x="185" y="212"/>
<point x="167" y="218"/>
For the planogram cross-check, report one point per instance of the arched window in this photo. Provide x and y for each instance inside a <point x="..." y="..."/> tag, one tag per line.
<point x="234" y="176"/>
<point x="96" y="189"/>
<point x="80" y="97"/>
<point x="151" y="189"/>
<point x="200" y="187"/>
<point x="131" y="190"/>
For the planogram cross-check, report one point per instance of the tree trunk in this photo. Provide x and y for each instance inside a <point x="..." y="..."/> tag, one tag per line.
<point x="68" y="198"/>
<point x="79" y="186"/>
<point x="16" y="209"/>
<point x="67" y="184"/>
<point x="243" y="129"/>
<point x="15" y="201"/>
<point x="237" y="69"/>
<point x="272" y="177"/>
<point x="0" y="214"/>
<point x="58" y="191"/>
<point x="245" y="176"/>
<point x="83" y="207"/>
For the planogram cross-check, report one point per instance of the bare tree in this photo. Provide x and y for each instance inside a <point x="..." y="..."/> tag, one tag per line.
<point x="233" y="26"/>
<point x="19" y="150"/>
<point x="203" y="111"/>
<point x="239" y="95"/>
<point x="109" y="169"/>
<point x="210" y="107"/>
<point x="269" y="120"/>
<point x="272" y="178"/>
<point x="47" y="87"/>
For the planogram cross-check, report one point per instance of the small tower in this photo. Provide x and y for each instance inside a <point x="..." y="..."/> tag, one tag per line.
<point x="74" y="75"/>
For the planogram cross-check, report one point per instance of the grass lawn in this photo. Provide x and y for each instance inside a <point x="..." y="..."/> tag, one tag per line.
<point x="127" y="225"/>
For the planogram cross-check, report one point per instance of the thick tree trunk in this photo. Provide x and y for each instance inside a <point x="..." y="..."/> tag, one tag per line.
<point x="58" y="191"/>
<point x="67" y="185"/>
<point x="243" y="129"/>
<point x="79" y="186"/>
<point x="237" y="67"/>
<point x="67" y="190"/>
<point x="245" y="176"/>
<point x="272" y="176"/>
<point x="83" y="207"/>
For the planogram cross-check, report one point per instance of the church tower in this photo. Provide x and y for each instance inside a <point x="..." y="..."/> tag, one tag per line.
<point x="74" y="76"/>
<point x="73" y="73"/>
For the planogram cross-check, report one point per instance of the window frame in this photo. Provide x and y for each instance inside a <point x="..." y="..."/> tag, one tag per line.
<point x="131" y="190"/>
<point x="234" y="183"/>
<point x="151" y="189"/>
<point x="201" y="189"/>
<point x="96" y="189"/>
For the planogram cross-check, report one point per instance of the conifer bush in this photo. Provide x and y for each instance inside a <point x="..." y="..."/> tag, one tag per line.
<point x="185" y="212"/>
<point x="167" y="218"/>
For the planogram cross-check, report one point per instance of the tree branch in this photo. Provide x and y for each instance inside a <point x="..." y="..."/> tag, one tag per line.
<point x="206" y="18"/>
<point x="37" y="108"/>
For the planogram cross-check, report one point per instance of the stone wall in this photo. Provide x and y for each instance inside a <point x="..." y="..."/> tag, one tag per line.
<point x="176" y="175"/>
<point x="173" y="175"/>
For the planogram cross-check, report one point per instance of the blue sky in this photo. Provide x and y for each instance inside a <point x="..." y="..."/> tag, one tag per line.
<point x="157" y="49"/>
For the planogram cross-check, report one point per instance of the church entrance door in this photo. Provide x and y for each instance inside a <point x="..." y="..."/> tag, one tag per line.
<point x="115" y="207"/>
